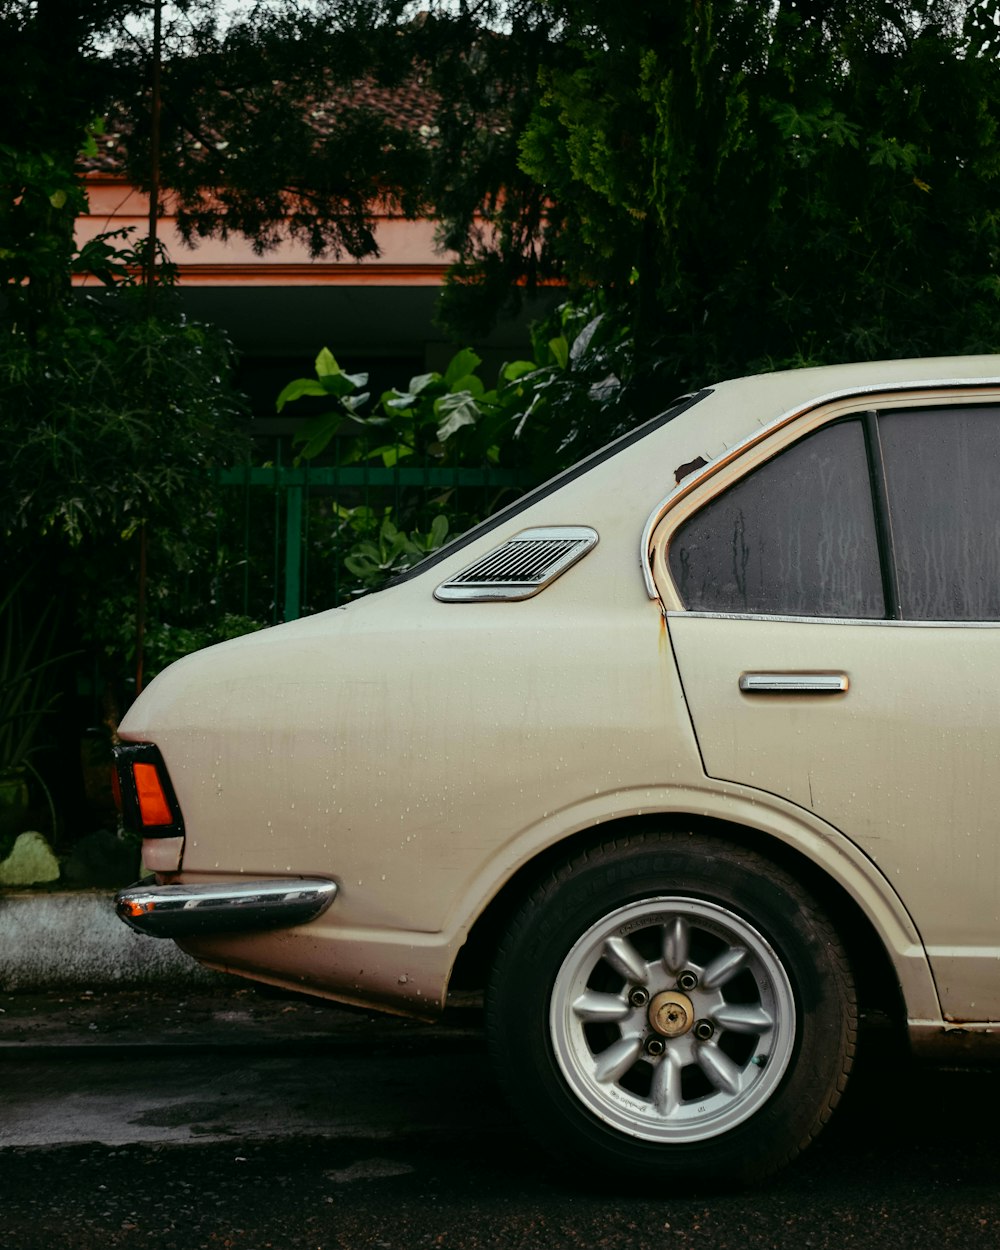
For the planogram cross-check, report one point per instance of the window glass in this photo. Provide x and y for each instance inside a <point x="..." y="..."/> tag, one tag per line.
<point x="796" y="537"/>
<point x="942" y="469"/>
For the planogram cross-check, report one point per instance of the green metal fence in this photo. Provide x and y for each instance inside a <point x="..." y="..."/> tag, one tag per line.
<point x="281" y="540"/>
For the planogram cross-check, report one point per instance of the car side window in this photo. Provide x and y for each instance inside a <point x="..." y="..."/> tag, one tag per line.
<point x="942" y="472"/>
<point x="796" y="537"/>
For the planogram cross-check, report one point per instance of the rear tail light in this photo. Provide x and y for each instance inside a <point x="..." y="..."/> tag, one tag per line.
<point x="154" y="806"/>
<point x="147" y="800"/>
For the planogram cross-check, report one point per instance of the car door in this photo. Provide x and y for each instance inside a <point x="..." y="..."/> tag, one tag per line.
<point x="833" y="601"/>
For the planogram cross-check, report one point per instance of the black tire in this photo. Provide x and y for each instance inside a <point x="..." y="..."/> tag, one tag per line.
<point x="724" y="1083"/>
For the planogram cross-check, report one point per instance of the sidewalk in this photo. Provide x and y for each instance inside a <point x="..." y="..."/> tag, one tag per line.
<point x="72" y="938"/>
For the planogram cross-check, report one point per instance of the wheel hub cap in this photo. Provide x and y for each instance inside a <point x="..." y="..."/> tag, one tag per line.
<point x="644" y="1066"/>
<point x="671" y="1013"/>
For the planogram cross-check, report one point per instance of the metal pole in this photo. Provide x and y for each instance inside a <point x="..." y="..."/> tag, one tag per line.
<point x="154" y="153"/>
<point x="150" y="280"/>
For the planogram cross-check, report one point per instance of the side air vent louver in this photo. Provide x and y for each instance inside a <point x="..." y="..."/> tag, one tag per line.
<point x="523" y="566"/>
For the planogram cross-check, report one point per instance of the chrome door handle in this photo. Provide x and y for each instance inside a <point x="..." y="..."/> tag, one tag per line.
<point x="794" y="683"/>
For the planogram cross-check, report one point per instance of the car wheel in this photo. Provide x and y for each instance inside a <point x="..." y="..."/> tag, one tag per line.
<point x="673" y="1007"/>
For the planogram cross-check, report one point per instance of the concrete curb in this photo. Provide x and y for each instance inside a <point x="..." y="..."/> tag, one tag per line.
<point x="73" y="938"/>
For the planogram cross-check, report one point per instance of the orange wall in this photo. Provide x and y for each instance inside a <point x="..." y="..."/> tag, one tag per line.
<point x="408" y="255"/>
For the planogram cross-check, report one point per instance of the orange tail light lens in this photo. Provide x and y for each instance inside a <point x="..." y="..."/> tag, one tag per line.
<point x="154" y="808"/>
<point x="148" y="804"/>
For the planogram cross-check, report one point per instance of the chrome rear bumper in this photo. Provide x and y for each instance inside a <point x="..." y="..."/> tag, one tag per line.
<point x="172" y="911"/>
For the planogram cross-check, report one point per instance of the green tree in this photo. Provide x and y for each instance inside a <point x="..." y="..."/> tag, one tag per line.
<point x="747" y="184"/>
<point x="759" y="185"/>
<point x="726" y="185"/>
<point x="113" y="408"/>
<point x="265" y="131"/>
<point x="276" y="119"/>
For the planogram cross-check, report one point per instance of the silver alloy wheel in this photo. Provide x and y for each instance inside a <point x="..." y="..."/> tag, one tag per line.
<point x="658" y="1060"/>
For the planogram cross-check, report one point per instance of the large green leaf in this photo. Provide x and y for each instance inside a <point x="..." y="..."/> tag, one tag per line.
<point x="560" y="350"/>
<point x="298" y="388"/>
<point x="391" y="453"/>
<point x="461" y="364"/>
<point x="315" y="434"/>
<point x="326" y="364"/>
<point x="457" y="410"/>
<point x="517" y="369"/>
<point x="470" y="383"/>
<point x="422" y="381"/>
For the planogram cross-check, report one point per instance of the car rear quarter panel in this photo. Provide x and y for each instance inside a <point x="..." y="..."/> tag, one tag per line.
<point x="408" y="748"/>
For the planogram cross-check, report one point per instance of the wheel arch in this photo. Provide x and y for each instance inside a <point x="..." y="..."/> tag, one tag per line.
<point x="878" y="985"/>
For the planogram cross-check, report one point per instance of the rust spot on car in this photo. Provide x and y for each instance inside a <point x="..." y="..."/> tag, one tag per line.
<point x="663" y="643"/>
<point x="976" y="1042"/>
<point x="692" y="466"/>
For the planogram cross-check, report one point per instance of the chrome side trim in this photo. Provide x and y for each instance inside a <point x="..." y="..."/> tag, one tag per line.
<point x="877" y="622"/>
<point x="794" y="683"/>
<point x="170" y="911"/>
<point x="731" y="453"/>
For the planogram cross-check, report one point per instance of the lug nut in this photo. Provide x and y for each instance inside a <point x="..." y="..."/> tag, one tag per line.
<point x="639" y="996"/>
<point x="703" y="1030"/>
<point x="687" y="981"/>
<point x="654" y="1046"/>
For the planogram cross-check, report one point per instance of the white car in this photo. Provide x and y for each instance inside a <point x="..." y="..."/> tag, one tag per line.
<point x="682" y="757"/>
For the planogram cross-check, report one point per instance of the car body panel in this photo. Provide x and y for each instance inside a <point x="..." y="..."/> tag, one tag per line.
<point x="419" y="753"/>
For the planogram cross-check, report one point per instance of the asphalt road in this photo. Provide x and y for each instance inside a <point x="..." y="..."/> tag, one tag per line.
<point x="408" y="1145"/>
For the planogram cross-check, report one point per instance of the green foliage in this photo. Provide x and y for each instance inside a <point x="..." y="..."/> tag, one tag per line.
<point x="167" y="641"/>
<point x="442" y="418"/>
<point x="747" y="185"/>
<point x="542" y="415"/>
<point x="114" y="412"/>
<point x="581" y="391"/>
<point x="27" y="692"/>
<point x="448" y="418"/>
<point x="389" y="551"/>
<point x="40" y="202"/>
<point x="111" y="428"/>
<point x="115" y="423"/>
<point x="570" y="398"/>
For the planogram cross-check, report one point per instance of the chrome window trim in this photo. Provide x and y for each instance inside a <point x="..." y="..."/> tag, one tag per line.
<point x="880" y="622"/>
<point x="695" y="479"/>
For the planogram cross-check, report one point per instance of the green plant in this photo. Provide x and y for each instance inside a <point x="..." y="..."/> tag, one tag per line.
<point x="438" y="418"/>
<point x="575" y="394"/>
<point x="26" y="663"/>
<point x="373" y="560"/>
<point x="28" y="697"/>
<point x="166" y="640"/>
